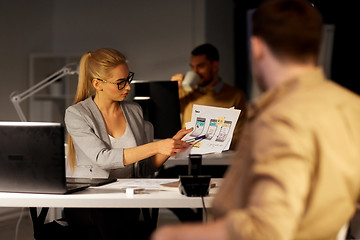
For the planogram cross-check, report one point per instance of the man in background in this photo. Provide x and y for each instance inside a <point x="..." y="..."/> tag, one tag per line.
<point x="211" y="89"/>
<point x="296" y="171"/>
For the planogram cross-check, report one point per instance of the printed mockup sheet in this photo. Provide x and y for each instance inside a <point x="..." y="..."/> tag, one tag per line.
<point x="213" y="127"/>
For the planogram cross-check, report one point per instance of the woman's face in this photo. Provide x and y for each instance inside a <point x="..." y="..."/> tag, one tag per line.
<point x="118" y="75"/>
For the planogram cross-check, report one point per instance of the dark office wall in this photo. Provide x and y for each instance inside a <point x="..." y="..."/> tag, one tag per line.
<point x="219" y="30"/>
<point x="345" y="16"/>
<point x="344" y="63"/>
<point x="157" y="36"/>
<point x="242" y="67"/>
<point x="25" y="28"/>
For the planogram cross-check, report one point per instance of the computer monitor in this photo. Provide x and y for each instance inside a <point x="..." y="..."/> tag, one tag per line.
<point x="160" y="103"/>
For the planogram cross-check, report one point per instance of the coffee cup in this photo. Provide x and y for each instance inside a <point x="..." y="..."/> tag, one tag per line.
<point x="191" y="79"/>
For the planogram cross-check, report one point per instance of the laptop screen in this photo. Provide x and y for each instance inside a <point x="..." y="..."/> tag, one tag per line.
<point x="32" y="157"/>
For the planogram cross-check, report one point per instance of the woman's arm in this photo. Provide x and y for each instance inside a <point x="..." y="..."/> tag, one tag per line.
<point x="161" y="150"/>
<point x="91" y="138"/>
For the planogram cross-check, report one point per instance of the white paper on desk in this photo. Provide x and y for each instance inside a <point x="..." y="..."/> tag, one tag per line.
<point x="216" y="123"/>
<point x="143" y="183"/>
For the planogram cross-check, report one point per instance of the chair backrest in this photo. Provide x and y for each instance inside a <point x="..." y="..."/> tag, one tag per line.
<point x="149" y="131"/>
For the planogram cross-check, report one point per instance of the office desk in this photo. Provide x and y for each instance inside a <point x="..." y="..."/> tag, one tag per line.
<point x="112" y="195"/>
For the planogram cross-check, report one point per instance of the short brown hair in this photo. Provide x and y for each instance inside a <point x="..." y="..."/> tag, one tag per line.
<point x="207" y="49"/>
<point x="291" y="28"/>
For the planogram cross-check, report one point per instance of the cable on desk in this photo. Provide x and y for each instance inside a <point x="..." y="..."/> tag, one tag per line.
<point x="18" y="224"/>
<point x="204" y="207"/>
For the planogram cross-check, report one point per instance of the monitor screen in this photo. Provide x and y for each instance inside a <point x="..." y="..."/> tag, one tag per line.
<point x="160" y="103"/>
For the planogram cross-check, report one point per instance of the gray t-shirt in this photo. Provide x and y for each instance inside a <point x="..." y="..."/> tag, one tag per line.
<point x="127" y="140"/>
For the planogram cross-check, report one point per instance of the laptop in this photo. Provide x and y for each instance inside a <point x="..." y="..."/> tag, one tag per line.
<point x="94" y="182"/>
<point x="32" y="158"/>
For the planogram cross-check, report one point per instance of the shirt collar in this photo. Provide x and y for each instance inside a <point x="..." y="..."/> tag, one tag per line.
<point x="306" y="79"/>
<point x="217" y="88"/>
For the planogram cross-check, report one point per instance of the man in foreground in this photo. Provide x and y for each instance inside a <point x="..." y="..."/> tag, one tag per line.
<point x="296" y="171"/>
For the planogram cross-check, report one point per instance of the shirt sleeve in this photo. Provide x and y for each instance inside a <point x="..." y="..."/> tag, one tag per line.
<point x="88" y="140"/>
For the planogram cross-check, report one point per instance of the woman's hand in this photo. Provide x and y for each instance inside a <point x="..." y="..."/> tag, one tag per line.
<point x="181" y="133"/>
<point x="171" y="146"/>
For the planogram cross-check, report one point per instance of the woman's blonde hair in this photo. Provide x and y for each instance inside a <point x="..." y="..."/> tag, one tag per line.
<point x="97" y="64"/>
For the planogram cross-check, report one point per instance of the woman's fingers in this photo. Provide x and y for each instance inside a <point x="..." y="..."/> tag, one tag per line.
<point x="182" y="132"/>
<point x="172" y="146"/>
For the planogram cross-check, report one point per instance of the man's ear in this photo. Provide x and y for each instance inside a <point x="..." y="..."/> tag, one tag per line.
<point x="257" y="50"/>
<point x="215" y="66"/>
<point x="97" y="85"/>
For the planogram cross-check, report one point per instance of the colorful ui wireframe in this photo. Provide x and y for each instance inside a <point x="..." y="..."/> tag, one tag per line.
<point x="211" y="129"/>
<point x="199" y="127"/>
<point x="224" y="131"/>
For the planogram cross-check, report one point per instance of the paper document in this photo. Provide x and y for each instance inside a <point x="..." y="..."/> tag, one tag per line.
<point x="213" y="129"/>
<point x="144" y="183"/>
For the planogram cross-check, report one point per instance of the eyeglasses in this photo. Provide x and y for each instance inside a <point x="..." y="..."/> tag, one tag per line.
<point x="121" y="85"/>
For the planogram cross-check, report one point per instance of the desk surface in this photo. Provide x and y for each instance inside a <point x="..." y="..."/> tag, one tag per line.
<point x="113" y="196"/>
<point x="223" y="158"/>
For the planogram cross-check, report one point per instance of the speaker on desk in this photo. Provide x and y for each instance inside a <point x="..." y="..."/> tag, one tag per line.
<point x="194" y="184"/>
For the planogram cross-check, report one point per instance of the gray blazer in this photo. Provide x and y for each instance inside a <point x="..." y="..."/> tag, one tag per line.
<point x="94" y="155"/>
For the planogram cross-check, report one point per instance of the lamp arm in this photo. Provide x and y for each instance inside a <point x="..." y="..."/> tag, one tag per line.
<point x="16" y="98"/>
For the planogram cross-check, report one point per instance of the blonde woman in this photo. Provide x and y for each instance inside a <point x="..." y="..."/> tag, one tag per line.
<point x="108" y="137"/>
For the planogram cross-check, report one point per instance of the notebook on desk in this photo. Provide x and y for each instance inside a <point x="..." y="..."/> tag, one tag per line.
<point x="32" y="158"/>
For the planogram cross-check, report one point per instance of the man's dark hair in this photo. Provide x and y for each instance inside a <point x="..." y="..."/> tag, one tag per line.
<point x="208" y="49"/>
<point x="291" y="28"/>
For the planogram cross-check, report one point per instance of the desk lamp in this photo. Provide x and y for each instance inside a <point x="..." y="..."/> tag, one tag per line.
<point x="16" y="98"/>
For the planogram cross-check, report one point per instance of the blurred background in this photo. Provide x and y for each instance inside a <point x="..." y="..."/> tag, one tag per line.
<point x="40" y="36"/>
